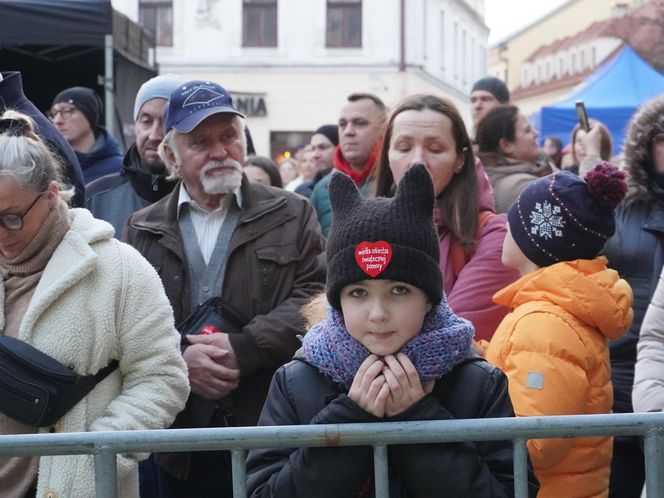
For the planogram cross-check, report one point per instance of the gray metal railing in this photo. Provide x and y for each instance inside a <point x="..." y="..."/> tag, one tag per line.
<point x="105" y="445"/>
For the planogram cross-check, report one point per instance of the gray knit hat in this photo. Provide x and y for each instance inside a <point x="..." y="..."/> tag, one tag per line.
<point x="384" y="238"/>
<point x="159" y="87"/>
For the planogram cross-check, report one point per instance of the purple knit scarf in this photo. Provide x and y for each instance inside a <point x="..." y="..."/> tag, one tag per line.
<point x="444" y="341"/>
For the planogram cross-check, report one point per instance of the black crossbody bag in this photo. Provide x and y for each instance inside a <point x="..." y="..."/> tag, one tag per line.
<point x="213" y="315"/>
<point x="37" y="389"/>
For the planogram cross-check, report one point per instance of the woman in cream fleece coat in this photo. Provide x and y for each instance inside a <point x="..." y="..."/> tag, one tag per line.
<point x="77" y="294"/>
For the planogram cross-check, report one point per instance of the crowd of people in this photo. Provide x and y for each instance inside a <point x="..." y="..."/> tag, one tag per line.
<point x="396" y="267"/>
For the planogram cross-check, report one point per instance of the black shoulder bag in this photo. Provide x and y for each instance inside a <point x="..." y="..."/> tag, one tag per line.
<point x="209" y="317"/>
<point x="213" y="315"/>
<point x="37" y="389"/>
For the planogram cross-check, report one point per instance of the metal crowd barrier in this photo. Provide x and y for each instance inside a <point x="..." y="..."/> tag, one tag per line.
<point x="105" y="445"/>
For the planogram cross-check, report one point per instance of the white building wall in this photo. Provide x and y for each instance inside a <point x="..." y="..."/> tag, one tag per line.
<point x="304" y="83"/>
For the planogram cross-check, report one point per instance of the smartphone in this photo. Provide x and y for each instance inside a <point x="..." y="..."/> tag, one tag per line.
<point x="582" y="115"/>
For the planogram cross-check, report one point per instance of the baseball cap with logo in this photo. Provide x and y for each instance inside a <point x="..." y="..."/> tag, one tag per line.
<point x="194" y="101"/>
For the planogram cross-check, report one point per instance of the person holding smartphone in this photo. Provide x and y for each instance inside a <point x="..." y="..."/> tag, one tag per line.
<point x="586" y="150"/>
<point x="636" y="252"/>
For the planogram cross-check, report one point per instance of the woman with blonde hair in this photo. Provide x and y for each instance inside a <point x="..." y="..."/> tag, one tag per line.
<point x="89" y="302"/>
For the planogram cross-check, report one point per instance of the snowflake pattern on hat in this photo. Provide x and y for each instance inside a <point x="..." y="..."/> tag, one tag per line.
<point x="546" y="221"/>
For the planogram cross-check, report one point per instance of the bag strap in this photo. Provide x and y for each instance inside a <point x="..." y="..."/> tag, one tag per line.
<point x="67" y="398"/>
<point x="457" y="254"/>
<point x="105" y="372"/>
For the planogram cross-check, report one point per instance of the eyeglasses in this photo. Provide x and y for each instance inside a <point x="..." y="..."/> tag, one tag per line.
<point x="65" y="112"/>
<point x="14" y="222"/>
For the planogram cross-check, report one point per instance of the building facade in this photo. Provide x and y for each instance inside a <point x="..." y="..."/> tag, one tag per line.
<point x="545" y="60"/>
<point x="291" y="63"/>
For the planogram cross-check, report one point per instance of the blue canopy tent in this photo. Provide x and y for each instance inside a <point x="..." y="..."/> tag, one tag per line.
<point x="612" y="93"/>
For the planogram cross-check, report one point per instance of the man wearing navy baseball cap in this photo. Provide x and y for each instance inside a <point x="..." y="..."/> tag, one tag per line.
<point x="217" y="235"/>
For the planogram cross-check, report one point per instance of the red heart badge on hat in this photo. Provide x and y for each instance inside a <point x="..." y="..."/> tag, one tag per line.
<point x="373" y="257"/>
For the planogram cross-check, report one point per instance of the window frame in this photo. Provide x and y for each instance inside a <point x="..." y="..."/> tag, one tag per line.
<point x="268" y="11"/>
<point x="159" y="8"/>
<point x="348" y="10"/>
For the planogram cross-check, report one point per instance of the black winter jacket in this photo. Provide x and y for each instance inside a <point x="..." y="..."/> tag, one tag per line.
<point x="115" y="197"/>
<point x="636" y="252"/>
<point x="301" y="395"/>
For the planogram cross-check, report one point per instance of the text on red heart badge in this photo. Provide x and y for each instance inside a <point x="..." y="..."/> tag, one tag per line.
<point x="373" y="257"/>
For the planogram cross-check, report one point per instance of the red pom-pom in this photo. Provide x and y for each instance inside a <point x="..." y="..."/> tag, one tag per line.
<point x="607" y="184"/>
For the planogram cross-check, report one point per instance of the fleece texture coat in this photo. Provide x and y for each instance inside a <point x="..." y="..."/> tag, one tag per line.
<point x="648" y="392"/>
<point x="553" y="348"/>
<point x="99" y="300"/>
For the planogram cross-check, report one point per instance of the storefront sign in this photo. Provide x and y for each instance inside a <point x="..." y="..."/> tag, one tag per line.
<point x="251" y="105"/>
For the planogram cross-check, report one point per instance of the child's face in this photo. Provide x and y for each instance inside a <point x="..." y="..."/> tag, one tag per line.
<point x="383" y="315"/>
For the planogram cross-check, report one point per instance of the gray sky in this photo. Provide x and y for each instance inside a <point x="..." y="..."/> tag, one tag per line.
<point x="505" y="17"/>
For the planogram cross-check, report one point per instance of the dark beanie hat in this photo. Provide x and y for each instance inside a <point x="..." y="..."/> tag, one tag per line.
<point x="85" y="100"/>
<point x="383" y="238"/>
<point x="331" y="132"/>
<point x="495" y="87"/>
<point x="561" y="217"/>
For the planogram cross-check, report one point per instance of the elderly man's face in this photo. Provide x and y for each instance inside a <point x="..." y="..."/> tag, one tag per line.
<point x="209" y="158"/>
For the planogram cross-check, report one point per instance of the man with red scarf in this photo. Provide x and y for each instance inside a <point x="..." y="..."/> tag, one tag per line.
<point x="361" y="127"/>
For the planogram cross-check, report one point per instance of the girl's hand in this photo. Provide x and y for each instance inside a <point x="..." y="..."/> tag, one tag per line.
<point x="369" y="389"/>
<point x="404" y="383"/>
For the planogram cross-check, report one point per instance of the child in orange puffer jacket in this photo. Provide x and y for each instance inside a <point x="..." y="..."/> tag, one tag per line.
<point x="564" y="309"/>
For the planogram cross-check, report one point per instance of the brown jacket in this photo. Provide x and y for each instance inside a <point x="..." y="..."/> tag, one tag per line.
<point x="509" y="177"/>
<point x="275" y="265"/>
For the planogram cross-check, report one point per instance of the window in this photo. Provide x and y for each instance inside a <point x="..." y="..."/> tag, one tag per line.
<point x="156" y="16"/>
<point x="344" y="23"/>
<point x="259" y="23"/>
<point x="285" y="144"/>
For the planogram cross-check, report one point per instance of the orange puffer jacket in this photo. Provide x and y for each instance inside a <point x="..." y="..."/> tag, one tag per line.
<point x="553" y="348"/>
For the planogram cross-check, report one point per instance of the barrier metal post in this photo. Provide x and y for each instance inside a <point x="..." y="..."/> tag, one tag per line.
<point x="654" y="455"/>
<point x="520" y="468"/>
<point x="238" y="458"/>
<point x="106" y="474"/>
<point x="380" y="471"/>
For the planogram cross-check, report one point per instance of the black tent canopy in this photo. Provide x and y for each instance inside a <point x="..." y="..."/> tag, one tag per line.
<point x="61" y="43"/>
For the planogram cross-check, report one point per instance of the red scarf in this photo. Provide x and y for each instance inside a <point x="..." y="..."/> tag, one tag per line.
<point x="359" y="177"/>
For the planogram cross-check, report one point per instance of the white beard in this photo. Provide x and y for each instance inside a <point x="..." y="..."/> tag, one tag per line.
<point x="224" y="183"/>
